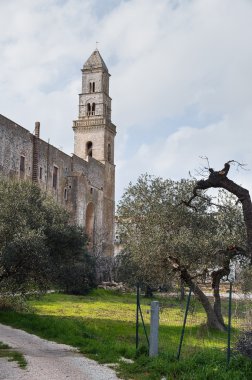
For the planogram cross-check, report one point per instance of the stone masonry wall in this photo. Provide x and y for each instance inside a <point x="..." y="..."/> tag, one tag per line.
<point x="78" y="184"/>
<point x="15" y="142"/>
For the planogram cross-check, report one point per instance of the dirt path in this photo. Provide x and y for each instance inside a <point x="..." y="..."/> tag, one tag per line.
<point x="48" y="360"/>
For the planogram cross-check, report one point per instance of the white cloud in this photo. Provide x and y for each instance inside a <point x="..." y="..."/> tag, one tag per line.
<point x="181" y="152"/>
<point x="168" y="59"/>
<point x="197" y="55"/>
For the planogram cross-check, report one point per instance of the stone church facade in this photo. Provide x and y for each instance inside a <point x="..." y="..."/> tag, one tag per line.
<point x="83" y="183"/>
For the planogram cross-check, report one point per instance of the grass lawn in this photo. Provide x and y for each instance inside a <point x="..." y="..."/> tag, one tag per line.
<point x="102" y="326"/>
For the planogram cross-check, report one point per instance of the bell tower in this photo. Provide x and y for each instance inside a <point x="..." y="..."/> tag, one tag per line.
<point x="94" y="132"/>
<point x="94" y="135"/>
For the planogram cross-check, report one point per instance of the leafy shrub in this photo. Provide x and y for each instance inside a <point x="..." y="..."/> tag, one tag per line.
<point x="79" y="277"/>
<point x="14" y="303"/>
<point x="244" y="344"/>
<point x="39" y="247"/>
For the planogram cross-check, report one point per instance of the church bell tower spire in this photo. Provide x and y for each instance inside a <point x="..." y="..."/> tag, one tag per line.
<point x="94" y="135"/>
<point x="94" y="132"/>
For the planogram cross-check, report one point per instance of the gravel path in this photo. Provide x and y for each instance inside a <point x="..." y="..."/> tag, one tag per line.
<point x="48" y="360"/>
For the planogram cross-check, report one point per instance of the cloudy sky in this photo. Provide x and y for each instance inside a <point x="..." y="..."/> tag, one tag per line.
<point x="181" y="79"/>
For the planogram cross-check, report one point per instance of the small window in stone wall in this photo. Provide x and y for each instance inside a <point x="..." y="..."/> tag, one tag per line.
<point x="91" y="86"/>
<point x="109" y="153"/>
<point x="88" y="109"/>
<point x="89" y="149"/>
<point x="65" y="194"/>
<point x="22" y="164"/>
<point x="93" y="108"/>
<point x="55" y="177"/>
<point x="40" y="173"/>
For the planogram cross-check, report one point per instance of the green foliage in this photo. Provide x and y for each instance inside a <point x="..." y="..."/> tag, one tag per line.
<point x="244" y="344"/>
<point x="37" y="242"/>
<point x="101" y="324"/>
<point x="15" y="303"/>
<point x="126" y="269"/>
<point x="158" y="230"/>
<point x="79" y="277"/>
<point x="245" y="279"/>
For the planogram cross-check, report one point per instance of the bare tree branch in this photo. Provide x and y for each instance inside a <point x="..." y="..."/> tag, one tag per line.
<point x="219" y="179"/>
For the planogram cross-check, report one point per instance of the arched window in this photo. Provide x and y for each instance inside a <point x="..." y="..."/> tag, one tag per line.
<point x="109" y="153"/>
<point x="91" y="86"/>
<point x="22" y="164"/>
<point x="88" y="109"/>
<point x="93" y="108"/>
<point x="89" y="148"/>
<point x="55" y="177"/>
<point x="65" y="194"/>
<point x="90" y="224"/>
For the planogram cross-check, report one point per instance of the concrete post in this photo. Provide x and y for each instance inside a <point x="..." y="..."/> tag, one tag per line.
<point x="153" y="350"/>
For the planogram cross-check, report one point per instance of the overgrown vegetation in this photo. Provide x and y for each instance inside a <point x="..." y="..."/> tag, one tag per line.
<point x="7" y="352"/>
<point x="167" y="234"/>
<point x="102" y="326"/>
<point x="244" y="344"/>
<point x="14" y="303"/>
<point x="39" y="247"/>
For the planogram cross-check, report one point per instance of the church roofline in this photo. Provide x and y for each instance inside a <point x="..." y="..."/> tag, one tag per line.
<point x="6" y="119"/>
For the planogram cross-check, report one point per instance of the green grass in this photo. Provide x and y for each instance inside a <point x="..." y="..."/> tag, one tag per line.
<point x="7" y="352"/>
<point x="102" y="326"/>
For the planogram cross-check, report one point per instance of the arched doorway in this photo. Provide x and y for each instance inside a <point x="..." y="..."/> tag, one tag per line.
<point x="90" y="224"/>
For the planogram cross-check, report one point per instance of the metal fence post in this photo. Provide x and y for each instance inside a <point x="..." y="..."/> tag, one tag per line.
<point x="137" y="315"/>
<point x="229" y="324"/>
<point x="184" y="324"/>
<point x="153" y="349"/>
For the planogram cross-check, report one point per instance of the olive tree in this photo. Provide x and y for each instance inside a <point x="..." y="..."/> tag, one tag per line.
<point x="163" y="237"/>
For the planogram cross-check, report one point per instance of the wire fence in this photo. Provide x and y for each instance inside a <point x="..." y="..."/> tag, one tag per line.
<point x="183" y="329"/>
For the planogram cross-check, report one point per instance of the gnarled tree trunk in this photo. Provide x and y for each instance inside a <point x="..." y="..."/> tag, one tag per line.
<point x="216" y="278"/>
<point x="212" y="318"/>
<point x="218" y="179"/>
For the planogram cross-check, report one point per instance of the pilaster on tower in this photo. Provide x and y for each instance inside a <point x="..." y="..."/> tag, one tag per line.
<point x="93" y="131"/>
